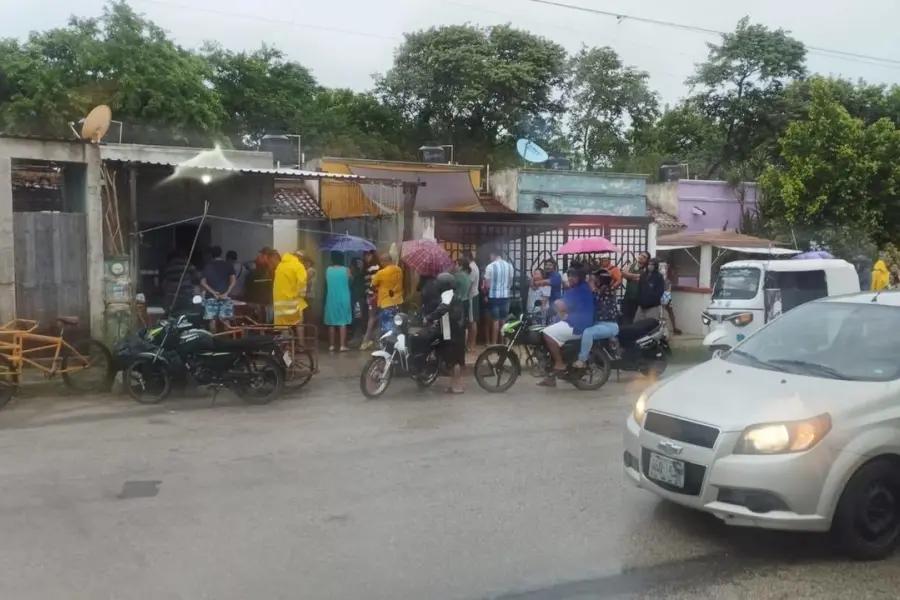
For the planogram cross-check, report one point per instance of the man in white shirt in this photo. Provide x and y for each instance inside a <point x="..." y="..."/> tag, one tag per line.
<point x="474" y="304"/>
<point x="498" y="280"/>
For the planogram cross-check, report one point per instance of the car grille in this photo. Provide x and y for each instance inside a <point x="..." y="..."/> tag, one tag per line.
<point x="693" y="476"/>
<point x="681" y="430"/>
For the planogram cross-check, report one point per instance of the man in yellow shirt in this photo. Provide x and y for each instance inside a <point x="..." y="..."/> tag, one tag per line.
<point x="289" y="292"/>
<point x="388" y="285"/>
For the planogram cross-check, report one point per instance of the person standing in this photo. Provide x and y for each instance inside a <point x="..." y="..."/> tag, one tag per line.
<point x="179" y="281"/>
<point x="538" y="296"/>
<point x="218" y="281"/>
<point x="338" y="307"/>
<point x="240" y="275"/>
<point x="449" y="313"/>
<point x="632" y="276"/>
<point x="388" y="284"/>
<point x="651" y="288"/>
<point x="289" y="293"/>
<point x="371" y="266"/>
<point x="474" y="300"/>
<point x="498" y="280"/>
<point x="614" y="271"/>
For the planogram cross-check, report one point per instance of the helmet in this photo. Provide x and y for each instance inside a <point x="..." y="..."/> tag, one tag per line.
<point x="603" y="276"/>
<point x="445" y="282"/>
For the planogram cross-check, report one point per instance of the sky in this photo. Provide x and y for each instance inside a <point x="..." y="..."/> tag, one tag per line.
<point x="344" y="42"/>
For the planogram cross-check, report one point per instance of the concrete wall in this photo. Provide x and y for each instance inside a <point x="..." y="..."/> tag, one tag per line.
<point x="663" y="196"/>
<point x="717" y="199"/>
<point x="505" y="187"/>
<point x="574" y="193"/>
<point x="57" y="151"/>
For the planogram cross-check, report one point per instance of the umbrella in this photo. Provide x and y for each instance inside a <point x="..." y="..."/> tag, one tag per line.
<point x="813" y="254"/>
<point x="347" y="243"/>
<point x="426" y="257"/>
<point x="587" y="245"/>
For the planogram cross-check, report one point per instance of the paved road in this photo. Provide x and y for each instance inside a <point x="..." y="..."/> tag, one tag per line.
<point x="323" y="496"/>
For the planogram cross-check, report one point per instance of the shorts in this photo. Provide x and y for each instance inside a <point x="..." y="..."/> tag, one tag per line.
<point x="474" y="308"/>
<point x="217" y="308"/>
<point x="561" y="332"/>
<point x="386" y="316"/>
<point x="498" y="308"/>
<point x="453" y="351"/>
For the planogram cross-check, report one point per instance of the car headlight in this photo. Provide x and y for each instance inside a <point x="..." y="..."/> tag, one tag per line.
<point x="783" y="438"/>
<point x="640" y="409"/>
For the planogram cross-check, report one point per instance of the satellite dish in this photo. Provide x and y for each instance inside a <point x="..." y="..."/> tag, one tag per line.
<point x="530" y="151"/>
<point x="96" y="124"/>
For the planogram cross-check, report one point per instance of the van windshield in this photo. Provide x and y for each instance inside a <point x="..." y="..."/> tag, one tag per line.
<point x="736" y="283"/>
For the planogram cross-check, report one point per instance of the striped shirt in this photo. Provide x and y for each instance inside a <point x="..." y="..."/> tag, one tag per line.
<point x="499" y="275"/>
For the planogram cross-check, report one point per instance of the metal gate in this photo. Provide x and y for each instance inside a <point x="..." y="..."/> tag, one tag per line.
<point x="527" y="241"/>
<point x="51" y="266"/>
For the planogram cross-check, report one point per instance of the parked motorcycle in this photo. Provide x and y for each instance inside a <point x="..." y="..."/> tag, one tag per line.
<point x="247" y="366"/>
<point x="415" y="355"/>
<point x="643" y="347"/>
<point x="499" y="360"/>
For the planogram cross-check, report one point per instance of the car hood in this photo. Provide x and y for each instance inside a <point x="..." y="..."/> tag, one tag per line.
<point x="732" y="397"/>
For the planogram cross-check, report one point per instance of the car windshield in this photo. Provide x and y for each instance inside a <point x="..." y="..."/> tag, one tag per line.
<point x="736" y="283"/>
<point x="834" y="340"/>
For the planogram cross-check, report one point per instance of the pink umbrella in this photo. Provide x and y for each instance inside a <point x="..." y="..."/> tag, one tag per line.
<point x="425" y="257"/>
<point x="587" y="245"/>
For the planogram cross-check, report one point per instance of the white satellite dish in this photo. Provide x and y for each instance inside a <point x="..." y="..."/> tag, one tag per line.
<point x="531" y="152"/>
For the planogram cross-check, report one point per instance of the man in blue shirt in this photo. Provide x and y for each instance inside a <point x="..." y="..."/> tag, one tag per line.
<point x="218" y="281"/>
<point x="606" y="316"/>
<point x="554" y="280"/>
<point x="578" y="307"/>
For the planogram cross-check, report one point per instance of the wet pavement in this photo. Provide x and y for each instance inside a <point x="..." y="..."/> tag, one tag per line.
<point x="414" y="496"/>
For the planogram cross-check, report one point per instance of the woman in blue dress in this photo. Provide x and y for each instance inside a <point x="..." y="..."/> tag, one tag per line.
<point x="338" y="306"/>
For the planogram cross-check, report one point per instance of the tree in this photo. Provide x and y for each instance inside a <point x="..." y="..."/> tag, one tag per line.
<point x="606" y="101"/>
<point x="261" y="92"/>
<point x="155" y="87"/>
<point x="741" y="89"/>
<point x="838" y="173"/>
<point x="473" y="87"/>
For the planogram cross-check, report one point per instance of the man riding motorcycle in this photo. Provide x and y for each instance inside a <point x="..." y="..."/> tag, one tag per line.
<point x="578" y="305"/>
<point x="606" y="316"/>
<point x="452" y="328"/>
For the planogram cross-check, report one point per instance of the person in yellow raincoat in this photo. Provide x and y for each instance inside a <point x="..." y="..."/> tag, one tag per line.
<point x="880" y="276"/>
<point x="289" y="291"/>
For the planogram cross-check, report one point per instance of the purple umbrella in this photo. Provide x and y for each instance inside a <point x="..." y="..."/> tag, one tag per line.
<point x="813" y="254"/>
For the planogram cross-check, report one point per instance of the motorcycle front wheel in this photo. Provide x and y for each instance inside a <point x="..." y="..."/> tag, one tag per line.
<point x="379" y="371"/>
<point x="492" y="364"/>
<point x="434" y="367"/>
<point x="147" y="381"/>
<point x="266" y="381"/>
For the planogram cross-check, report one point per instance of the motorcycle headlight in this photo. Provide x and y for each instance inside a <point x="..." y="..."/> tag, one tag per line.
<point x="399" y="320"/>
<point x="783" y="438"/>
<point x="742" y="319"/>
<point x="640" y="409"/>
<point x="705" y="319"/>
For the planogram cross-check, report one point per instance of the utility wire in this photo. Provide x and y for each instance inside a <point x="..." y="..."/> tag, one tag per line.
<point x="868" y="59"/>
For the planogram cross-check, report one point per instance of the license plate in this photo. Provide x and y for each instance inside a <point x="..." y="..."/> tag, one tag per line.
<point x="666" y="470"/>
<point x="287" y="358"/>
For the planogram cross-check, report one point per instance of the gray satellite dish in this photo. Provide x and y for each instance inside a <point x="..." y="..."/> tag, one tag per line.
<point x="531" y="152"/>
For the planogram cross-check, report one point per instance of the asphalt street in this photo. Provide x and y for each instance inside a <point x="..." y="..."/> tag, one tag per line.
<point x="415" y="496"/>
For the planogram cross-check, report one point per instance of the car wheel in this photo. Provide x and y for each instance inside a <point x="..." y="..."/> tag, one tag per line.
<point x="867" y="520"/>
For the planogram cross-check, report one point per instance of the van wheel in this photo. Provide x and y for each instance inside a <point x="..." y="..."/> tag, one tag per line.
<point x="867" y="520"/>
<point x="718" y="351"/>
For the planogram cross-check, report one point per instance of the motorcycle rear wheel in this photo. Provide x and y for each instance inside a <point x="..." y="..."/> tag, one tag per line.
<point x="486" y="368"/>
<point x="600" y="369"/>
<point x="263" y="369"/>
<point x="376" y="369"/>
<point x="654" y="369"/>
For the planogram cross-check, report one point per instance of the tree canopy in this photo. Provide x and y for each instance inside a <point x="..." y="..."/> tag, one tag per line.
<point x="826" y="149"/>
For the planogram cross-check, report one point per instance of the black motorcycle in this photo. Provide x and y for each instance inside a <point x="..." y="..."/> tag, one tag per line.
<point x="643" y="347"/>
<point x="247" y="366"/>
<point x="415" y="355"/>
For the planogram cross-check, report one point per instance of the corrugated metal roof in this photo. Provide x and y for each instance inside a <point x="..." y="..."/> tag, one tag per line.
<point x="294" y="203"/>
<point x="442" y="190"/>
<point x="663" y="219"/>
<point x="286" y="173"/>
<point x="43" y="138"/>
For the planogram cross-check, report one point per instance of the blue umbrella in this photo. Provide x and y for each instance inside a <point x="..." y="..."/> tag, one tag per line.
<point x="813" y="254"/>
<point x="347" y="243"/>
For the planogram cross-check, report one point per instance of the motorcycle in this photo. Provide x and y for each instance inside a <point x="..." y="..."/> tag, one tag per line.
<point x="643" y="347"/>
<point x="527" y="334"/>
<point x="415" y="355"/>
<point x="247" y="366"/>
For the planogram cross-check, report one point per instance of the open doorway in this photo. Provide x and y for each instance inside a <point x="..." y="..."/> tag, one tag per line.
<point x="157" y="245"/>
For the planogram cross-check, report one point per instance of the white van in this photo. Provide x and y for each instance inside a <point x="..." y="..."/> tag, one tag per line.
<point x="749" y="293"/>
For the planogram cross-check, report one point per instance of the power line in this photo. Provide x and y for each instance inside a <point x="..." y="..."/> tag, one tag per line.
<point x="865" y="58"/>
<point x="288" y="22"/>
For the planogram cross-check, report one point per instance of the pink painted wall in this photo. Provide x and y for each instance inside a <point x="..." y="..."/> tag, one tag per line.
<point x="717" y="199"/>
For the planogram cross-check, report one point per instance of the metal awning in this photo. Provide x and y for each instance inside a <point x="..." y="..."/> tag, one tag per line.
<point x="667" y="248"/>
<point x="442" y="190"/>
<point x="278" y="173"/>
<point x="768" y="251"/>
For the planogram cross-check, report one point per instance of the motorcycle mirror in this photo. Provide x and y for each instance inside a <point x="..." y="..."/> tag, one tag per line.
<point x="197" y="299"/>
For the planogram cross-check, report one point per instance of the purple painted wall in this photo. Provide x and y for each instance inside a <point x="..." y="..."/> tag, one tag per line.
<point x="717" y="199"/>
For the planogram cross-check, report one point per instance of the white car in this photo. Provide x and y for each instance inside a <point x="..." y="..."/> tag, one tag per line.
<point x="796" y="428"/>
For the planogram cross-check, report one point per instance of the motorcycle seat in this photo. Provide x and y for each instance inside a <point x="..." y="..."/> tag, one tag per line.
<point x="243" y="343"/>
<point x="637" y="330"/>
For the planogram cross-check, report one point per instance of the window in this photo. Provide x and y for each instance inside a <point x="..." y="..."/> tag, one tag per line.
<point x="797" y="287"/>
<point x="736" y="283"/>
<point x="840" y="340"/>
